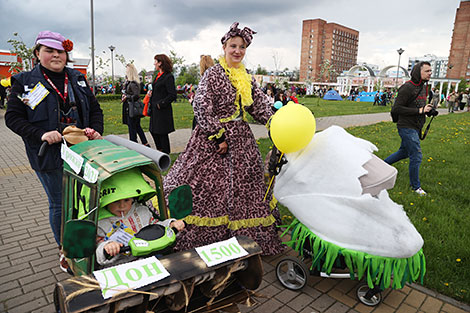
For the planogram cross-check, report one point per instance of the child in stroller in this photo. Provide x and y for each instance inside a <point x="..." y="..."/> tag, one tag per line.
<point x="121" y="215"/>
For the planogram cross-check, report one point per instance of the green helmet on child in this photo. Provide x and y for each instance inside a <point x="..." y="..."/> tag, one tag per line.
<point x="123" y="185"/>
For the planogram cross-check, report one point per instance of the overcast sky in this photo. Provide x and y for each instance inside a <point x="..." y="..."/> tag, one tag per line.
<point x="139" y="29"/>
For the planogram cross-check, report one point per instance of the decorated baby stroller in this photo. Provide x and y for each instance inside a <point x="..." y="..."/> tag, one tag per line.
<point x="345" y="225"/>
<point x="191" y="283"/>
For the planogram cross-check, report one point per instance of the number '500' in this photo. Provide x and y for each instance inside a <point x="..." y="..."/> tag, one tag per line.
<point x="218" y="252"/>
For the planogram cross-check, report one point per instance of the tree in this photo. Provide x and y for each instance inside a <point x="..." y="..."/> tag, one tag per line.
<point x="377" y="85"/>
<point x="261" y="70"/>
<point x="177" y="61"/>
<point x="143" y="73"/>
<point x="24" y="53"/>
<point x="462" y="85"/>
<point x="326" y="71"/>
<point x="295" y="74"/>
<point x="277" y="61"/>
<point x="122" y="59"/>
<point x="281" y="83"/>
<point x="444" y="88"/>
<point x="102" y="64"/>
<point x="188" y="75"/>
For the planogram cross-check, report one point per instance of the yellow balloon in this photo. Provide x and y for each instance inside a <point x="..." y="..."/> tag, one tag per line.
<point x="5" y="82"/>
<point x="292" y="127"/>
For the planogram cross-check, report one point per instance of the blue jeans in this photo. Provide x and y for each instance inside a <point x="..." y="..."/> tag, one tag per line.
<point x="410" y="148"/>
<point x="52" y="183"/>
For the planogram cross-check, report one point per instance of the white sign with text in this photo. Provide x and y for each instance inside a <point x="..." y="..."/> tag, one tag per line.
<point x="130" y="275"/>
<point x="73" y="159"/>
<point x="90" y="174"/>
<point x="221" y="251"/>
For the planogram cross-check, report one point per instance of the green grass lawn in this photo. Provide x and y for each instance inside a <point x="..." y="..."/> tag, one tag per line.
<point x="112" y="110"/>
<point x="443" y="216"/>
<point x="183" y="112"/>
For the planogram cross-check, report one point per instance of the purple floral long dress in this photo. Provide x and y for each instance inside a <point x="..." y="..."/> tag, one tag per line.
<point x="228" y="190"/>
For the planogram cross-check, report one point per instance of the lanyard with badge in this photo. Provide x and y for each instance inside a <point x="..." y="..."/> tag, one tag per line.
<point x="70" y="117"/>
<point x="66" y="85"/>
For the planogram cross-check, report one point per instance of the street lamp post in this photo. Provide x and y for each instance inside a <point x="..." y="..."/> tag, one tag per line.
<point x="400" y="51"/>
<point x="92" y="48"/>
<point x="112" y="63"/>
<point x="450" y="66"/>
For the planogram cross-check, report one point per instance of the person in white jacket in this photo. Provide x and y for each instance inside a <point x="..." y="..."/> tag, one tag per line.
<point x="122" y="214"/>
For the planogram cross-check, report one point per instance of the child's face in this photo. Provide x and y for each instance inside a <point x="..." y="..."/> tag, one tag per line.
<point x="120" y="207"/>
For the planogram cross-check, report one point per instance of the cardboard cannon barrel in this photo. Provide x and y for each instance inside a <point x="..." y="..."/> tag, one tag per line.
<point x="190" y="278"/>
<point x="161" y="159"/>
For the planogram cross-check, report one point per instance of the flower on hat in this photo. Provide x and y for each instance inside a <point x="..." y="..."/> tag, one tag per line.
<point x="68" y="45"/>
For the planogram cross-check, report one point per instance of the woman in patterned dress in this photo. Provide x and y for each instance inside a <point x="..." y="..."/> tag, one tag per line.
<point x="221" y="162"/>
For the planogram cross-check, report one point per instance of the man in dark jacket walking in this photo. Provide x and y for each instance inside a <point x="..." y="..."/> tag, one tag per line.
<point x="410" y="106"/>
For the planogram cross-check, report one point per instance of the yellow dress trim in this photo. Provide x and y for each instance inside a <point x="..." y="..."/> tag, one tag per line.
<point x="218" y="135"/>
<point x="233" y="225"/>
<point x="273" y="203"/>
<point x="241" y="80"/>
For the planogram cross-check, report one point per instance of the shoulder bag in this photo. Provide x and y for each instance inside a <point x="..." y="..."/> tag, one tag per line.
<point x="136" y="108"/>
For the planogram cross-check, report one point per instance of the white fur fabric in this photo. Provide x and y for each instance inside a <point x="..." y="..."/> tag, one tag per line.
<point x="320" y="186"/>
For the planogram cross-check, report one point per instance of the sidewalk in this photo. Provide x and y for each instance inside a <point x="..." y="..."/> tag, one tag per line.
<point x="29" y="262"/>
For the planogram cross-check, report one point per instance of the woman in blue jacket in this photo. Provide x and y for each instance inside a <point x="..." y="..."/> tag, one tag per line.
<point x="68" y="101"/>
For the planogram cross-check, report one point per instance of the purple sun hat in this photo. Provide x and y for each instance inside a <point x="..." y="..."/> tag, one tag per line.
<point x="51" y="39"/>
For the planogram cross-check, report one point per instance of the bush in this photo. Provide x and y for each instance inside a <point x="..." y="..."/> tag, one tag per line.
<point x="108" y="97"/>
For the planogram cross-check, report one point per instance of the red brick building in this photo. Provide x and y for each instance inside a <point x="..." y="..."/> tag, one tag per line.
<point x="323" y="41"/>
<point x="459" y="56"/>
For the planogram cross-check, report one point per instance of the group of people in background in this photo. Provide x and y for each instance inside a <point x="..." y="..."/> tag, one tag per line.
<point x="454" y="101"/>
<point x="274" y="94"/>
<point x="383" y="98"/>
<point x="161" y="94"/>
<point x="457" y="101"/>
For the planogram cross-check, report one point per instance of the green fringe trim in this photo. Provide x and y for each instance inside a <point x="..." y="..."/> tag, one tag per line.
<point x="381" y="271"/>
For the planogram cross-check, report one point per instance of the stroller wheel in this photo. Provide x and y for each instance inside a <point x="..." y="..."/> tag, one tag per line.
<point x="291" y="273"/>
<point x="367" y="296"/>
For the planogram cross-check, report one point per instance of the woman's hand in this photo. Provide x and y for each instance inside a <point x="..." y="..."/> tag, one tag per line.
<point x="112" y="248"/>
<point x="92" y="134"/>
<point x="178" y="224"/>
<point x="52" y="137"/>
<point x="223" y="147"/>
